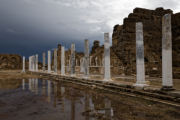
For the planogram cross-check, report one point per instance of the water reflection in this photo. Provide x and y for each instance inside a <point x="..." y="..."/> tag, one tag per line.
<point x="49" y="91"/>
<point x="67" y="101"/>
<point x="73" y="103"/>
<point x="23" y="84"/>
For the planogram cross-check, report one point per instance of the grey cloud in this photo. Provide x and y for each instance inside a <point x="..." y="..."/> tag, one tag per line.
<point x="39" y="25"/>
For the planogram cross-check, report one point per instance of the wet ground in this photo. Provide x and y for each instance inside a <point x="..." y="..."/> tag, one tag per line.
<point x="37" y="99"/>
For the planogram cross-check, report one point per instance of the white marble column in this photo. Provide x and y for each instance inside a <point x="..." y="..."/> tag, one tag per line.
<point x="29" y="63"/>
<point x="62" y="61"/>
<point x="107" y="66"/>
<point x="140" y="70"/>
<point x="72" y="59"/>
<point x="55" y="60"/>
<point x="167" y="77"/>
<point x="49" y="61"/>
<point x="86" y="57"/>
<point x="23" y="69"/>
<point x="44" y="61"/>
<point x="36" y="59"/>
<point x="69" y="65"/>
<point x="82" y="65"/>
<point x="33" y="65"/>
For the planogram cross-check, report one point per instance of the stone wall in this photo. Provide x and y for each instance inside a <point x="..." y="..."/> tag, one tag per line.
<point x="10" y="61"/>
<point x="123" y="41"/>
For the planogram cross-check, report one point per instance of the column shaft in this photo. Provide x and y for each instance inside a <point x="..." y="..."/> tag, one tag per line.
<point x="73" y="59"/>
<point x="107" y="67"/>
<point x="62" y="61"/>
<point x="49" y="61"/>
<point x="140" y="70"/>
<point x="167" y="80"/>
<point x="55" y="60"/>
<point x="86" y="56"/>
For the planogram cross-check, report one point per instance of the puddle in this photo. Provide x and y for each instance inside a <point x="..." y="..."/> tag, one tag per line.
<point x="36" y="99"/>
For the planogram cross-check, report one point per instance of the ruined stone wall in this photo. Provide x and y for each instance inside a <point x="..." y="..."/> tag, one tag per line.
<point x="123" y="40"/>
<point x="10" y="62"/>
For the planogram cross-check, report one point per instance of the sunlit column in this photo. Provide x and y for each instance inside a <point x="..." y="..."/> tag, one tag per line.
<point x="23" y="70"/>
<point x="107" y="67"/>
<point x="36" y="57"/>
<point x="167" y="77"/>
<point x="49" y="61"/>
<point x="86" y="57"/>
<point x="72" y="59"/>
<point x="62" y="60"/>
<point x="44" y="61"/>
<point x="29" y="63"/>
<point x="140" y="69"/>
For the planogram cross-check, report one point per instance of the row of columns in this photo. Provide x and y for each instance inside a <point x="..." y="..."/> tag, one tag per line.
<point x="33" y="63"/>
<point x="167" y="79"/>
<point x="140" y="68"/>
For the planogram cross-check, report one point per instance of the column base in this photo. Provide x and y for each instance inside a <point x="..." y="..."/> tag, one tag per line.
<point x="73" y="75"/>
<point x="55" y="73"/>
<point x="86" y="77"/>
<point x="140" y="85"/>
<point x="107" y="79"/>
<point x="167" y="88"/>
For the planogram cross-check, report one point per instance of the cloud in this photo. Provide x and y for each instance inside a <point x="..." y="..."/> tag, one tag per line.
<point x="10" y="30"/>
<point x="48" y="22"/>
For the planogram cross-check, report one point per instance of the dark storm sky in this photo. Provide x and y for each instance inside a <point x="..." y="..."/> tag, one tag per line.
<point x="34" y="26"/>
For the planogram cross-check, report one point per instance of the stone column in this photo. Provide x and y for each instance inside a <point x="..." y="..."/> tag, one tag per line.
<point x="49" y="61"/>
<point x="55" y="60"/>
<point x="82" y="65"/>
<point x="44" y="61"/>
<point x="167" y="78"/>
<point x="140" y="70"/>
<point x="73" y="59"/>
<point x="29" y="63"/>
<point x="62" y="61"/>
<point x="23" y="69"/>
<point x="86" y="57"/>
<point x="36" y="59"/>
<point x="107" y="66"/>
<point x="69" y="64"/>
<point x="33" y="65"/>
